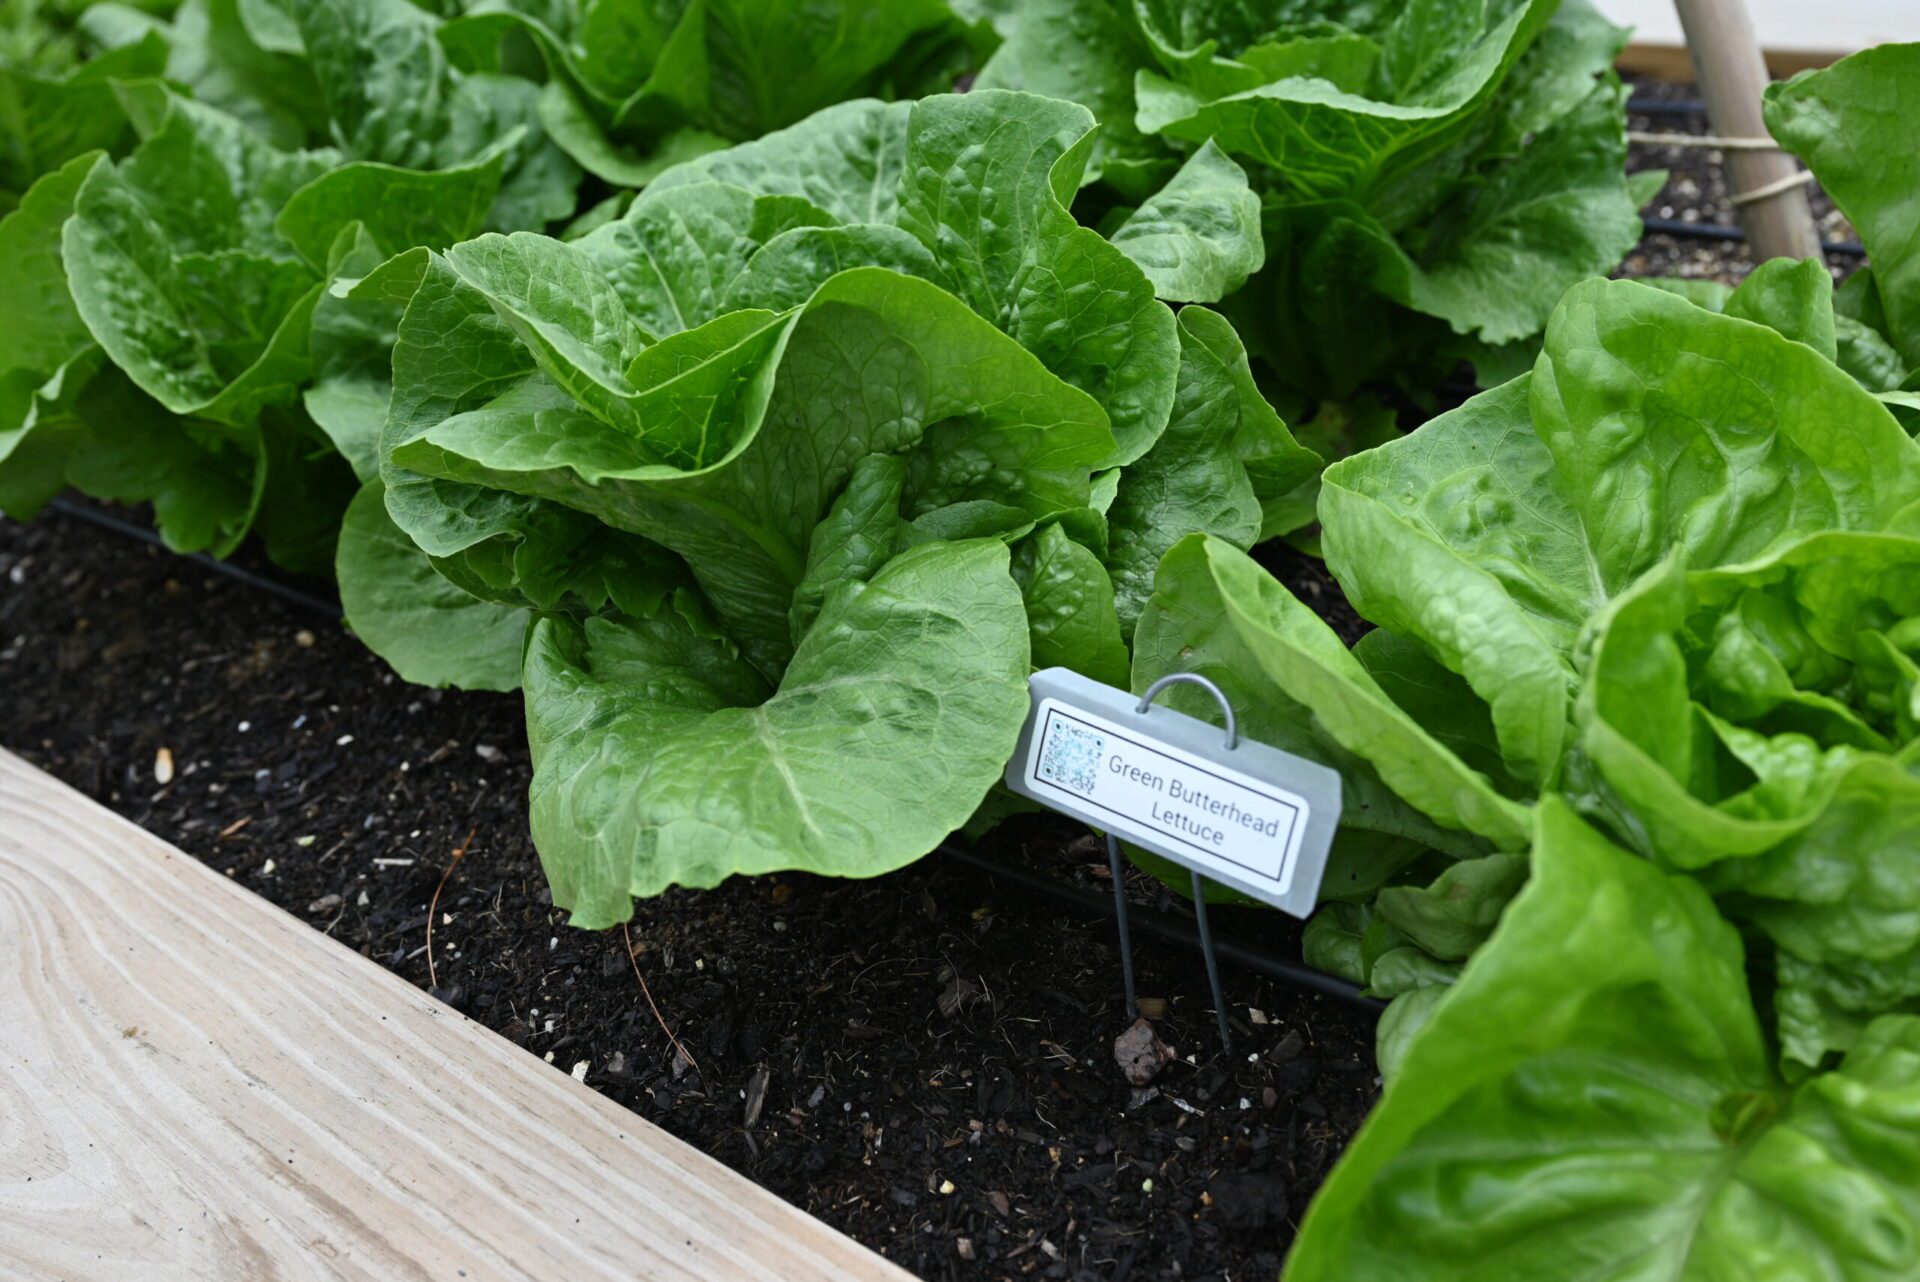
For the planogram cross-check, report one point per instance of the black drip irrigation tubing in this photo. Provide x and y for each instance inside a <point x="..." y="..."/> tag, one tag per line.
<point x="1148" y="921"/>
<point x="1711" y="231"/>
<point x="238" y="573"/>
<point x="1666" y="107"/>
<point x="1726" y="231"/>
<point x="1165" y="926"/>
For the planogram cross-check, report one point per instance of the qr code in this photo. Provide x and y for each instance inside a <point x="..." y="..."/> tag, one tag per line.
<point x="1072" y="756"/>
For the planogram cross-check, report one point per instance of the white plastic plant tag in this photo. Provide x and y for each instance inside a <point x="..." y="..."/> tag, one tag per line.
<point x="1251" y="817"/>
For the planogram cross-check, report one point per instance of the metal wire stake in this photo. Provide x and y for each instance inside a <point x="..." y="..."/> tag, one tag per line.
<point x="1213" y="963"/>
<point x="1199" y="885"/>
<point x="1120" y="915"/>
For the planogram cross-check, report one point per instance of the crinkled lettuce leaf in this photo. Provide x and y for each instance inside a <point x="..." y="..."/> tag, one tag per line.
<point x="1648" y="426"/>
<point x="663" y="757"/>
<point x="1596" y="1087"/>
<point x="1849" y="123"/>
<point x="635" y="88"/>
<point x="1758" y="724"/>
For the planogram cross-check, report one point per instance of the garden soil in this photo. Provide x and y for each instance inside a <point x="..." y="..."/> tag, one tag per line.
<point x="923" y="1060"/>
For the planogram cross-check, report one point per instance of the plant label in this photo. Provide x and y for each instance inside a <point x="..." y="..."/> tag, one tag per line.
<point x="1251" y="817"/>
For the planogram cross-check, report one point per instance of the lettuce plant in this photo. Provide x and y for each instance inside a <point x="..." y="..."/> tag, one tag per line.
<point x="1756" y="726"/>
<point x="632" y="89"/>
<point x="178" y="293"/>
<point x="1847" y="123"/>
<point x="1431" y="177"/>
<point x="58" y="107"/>
<point x="181" y="326"/>
<point x="1844" y="122"/>
<point x="1645" y="656"/>
<point x="1486" y="542"/>
<point x="1599" y="1087"/>
<point x="788" y="475"/>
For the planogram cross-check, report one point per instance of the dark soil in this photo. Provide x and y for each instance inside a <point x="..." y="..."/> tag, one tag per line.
<point x="1696" y="192"/>
<point x="934" y="1049"/>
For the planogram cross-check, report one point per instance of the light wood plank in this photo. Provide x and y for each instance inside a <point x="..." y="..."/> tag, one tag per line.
<point x="1673" y="62"/>
<point x="195" y="1085"/>
<point x="1732" y="77"/>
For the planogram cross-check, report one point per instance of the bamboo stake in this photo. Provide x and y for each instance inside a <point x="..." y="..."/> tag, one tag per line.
<point x="1769" y="198"/>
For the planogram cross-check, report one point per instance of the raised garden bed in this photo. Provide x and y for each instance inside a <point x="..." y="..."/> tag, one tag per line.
<point x="931" y="1026"/>
<point x="771" y="502"/>
<point x="924" y="1028"/>
<point x="861" y="1045"/>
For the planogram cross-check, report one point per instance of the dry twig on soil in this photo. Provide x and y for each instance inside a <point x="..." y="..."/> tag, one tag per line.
<point x="433" y="906"/>
<point x="633" y="960"/>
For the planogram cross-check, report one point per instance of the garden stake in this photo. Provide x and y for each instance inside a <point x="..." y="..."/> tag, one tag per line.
<point x="1199" y="884"/>
<point x="1213" y="963"/>
<point x="1120" y="916"/>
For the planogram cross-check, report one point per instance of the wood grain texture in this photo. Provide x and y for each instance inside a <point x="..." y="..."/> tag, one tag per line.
<point x="195" y="1085"/>
<point x="1732" y="76"/>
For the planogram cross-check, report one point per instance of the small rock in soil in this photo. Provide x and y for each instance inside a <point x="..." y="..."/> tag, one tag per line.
<point x="1140" y="1053"/>
<point x="324" y="905"/>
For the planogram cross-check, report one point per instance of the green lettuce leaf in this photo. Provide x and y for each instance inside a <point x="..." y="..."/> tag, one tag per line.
<point x="996" y="218"/>
<point x="633" y="89"/>
<point x="46" y="353"/>
<point x="661" y="757"/>
<point x="1297" y="687"/>
<point x="993" y="217"/>
<point x="793" y="417"/>
<point x="174" y="266"/>
<point x="1848" y="122"/>
<point x="1198" y="237"/>
<point x="51" y="120"/>
<point x="1617" y="1107"/>
<point x="1493" y="533"/>
<point x="1224" y="466"/>
<point x="433" y="632"/>
<point x="1756" y="723"/>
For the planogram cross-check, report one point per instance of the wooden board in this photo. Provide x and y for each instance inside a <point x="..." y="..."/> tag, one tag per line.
<point x="1673" y="62"/>
<point x="196" y="1085"/>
